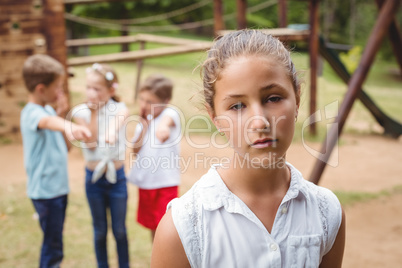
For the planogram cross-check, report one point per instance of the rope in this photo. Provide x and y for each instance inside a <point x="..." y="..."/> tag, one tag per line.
<point x="159" y="17"/>
<point x="191" y="25"/>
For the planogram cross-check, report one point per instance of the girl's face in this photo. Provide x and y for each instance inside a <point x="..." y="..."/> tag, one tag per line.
<point x="256" y="107"/>
<point x="97" y="90"/>
<point x="150" y="104"/>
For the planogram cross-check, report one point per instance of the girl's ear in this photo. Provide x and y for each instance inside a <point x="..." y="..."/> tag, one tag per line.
<point x="112" y="91"/>
<point x="212" y="115"/>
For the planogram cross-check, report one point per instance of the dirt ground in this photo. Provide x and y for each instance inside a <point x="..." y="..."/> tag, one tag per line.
<point x="366" y="164"/>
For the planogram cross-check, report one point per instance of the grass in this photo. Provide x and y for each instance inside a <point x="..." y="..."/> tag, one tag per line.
<point x="351" y="198"/>
<point x="21" y="236"/>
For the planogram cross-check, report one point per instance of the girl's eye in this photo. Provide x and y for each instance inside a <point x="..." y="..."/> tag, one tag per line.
<point x="237" y="106"/>
<point x="273" y="99"/>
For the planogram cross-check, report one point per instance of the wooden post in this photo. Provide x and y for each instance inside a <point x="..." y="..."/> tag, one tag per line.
<point x="219" y="24"/>
<point x="139" y="69"/>
<point x="282" y="11"/>
<point x="381" y="26"/>
<point x="124" y="28"/>
<point x="313" y="51"/>
<point x="241" y="14"/>
<point x="55" y="31"/>
<point x="395" y="37"/>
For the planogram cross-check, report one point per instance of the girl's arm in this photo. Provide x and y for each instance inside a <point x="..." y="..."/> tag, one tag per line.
<point x="163" y="130"/>
<point x="167" y="249"/>
<point x="333" y="259"/>
<point x="115" y="124"/>
<point x="92" y="126"/>
<point x="137" y="144"/>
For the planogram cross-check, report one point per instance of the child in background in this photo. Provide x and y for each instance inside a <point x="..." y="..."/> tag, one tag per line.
<point x="46" y="139"/>
<point x="104" y="154"/>
<point x="257" y="211"/>
<point x="156" y="141"/>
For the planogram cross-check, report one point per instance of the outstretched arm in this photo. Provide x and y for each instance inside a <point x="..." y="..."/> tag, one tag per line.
<point x="163" y="130"/>
<point x="167" y="249"/>
<point x="333" y="259"/>
<point x="115" y="124"/>
<point x="71" y="130"/>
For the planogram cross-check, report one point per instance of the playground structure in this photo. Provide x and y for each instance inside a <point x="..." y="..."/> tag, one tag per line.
<point x="39" y="28"/>
<point x="26" y="27"/>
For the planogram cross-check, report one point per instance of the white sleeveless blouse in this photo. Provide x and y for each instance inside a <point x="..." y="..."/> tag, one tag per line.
<point x="217" y="229"/>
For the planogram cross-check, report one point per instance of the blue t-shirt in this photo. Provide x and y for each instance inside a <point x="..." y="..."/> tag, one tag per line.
<point x="45" y="154"/>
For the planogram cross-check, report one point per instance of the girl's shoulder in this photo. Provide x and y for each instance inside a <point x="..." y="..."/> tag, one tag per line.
<point x="312" y="192"/>
<point x="81" y="110"/>
<point x="172" y="113"/>
<point x="115" y="105"/>
<point x="208" y="193"/>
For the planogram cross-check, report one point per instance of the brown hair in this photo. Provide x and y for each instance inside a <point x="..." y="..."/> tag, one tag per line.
<point x="108" y="74"/>
<point x="41" y="69"/>
<point x="158" y="84"/>
<point x="241" y="43"/>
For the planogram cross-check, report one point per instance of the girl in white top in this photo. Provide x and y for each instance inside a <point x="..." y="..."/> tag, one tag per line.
<point x="156" y="145"/>
<point x="257" y="211"/>
<point x="104" y="155"/>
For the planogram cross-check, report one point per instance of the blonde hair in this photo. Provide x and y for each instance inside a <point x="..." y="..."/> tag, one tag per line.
<point x="159" y="85"/>
<point x="108" y="74"/>
<point x="41" y="69"/>
<point x="244" y="43"/>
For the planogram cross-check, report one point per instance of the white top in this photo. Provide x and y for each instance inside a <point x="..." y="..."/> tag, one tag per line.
<point x="104" y="152"/>
<point x="157" y="164"/>
<point x="217" y="229"/>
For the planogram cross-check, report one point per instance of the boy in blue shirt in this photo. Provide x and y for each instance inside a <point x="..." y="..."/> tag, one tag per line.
<point x="46" y="139"/>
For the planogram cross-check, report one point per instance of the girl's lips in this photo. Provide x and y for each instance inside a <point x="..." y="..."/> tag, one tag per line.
<point x="263" y="143"/>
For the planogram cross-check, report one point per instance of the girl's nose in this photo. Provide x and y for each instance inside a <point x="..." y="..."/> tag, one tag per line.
<point x="258" y="119"/>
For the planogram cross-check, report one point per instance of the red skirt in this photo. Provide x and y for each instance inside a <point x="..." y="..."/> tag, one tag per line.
<point x="152" y="205"/>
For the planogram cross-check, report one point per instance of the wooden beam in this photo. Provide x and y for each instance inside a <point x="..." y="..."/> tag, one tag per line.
<point x="169" y="40"/>
<point x="72" y="2"/>
<point x="241" y="14"/>
<point x="219" y="23"/>
<point x="130" y="39"/>
<point x="138" y="55"/>
<point x="377" y="35"/>
<point x="283" y="34"/>
<point x="313" y="52"/>
<point x="395" y="37"/>
<point x="101" y="41"/>
<point x="391" y="127"/>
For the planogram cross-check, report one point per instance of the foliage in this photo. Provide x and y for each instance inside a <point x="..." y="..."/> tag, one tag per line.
<point x="351" y="58"/>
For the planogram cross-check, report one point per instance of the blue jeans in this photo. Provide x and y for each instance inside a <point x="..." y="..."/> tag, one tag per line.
<point x="51" y="213"/>
<point x="102" y="195"/>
